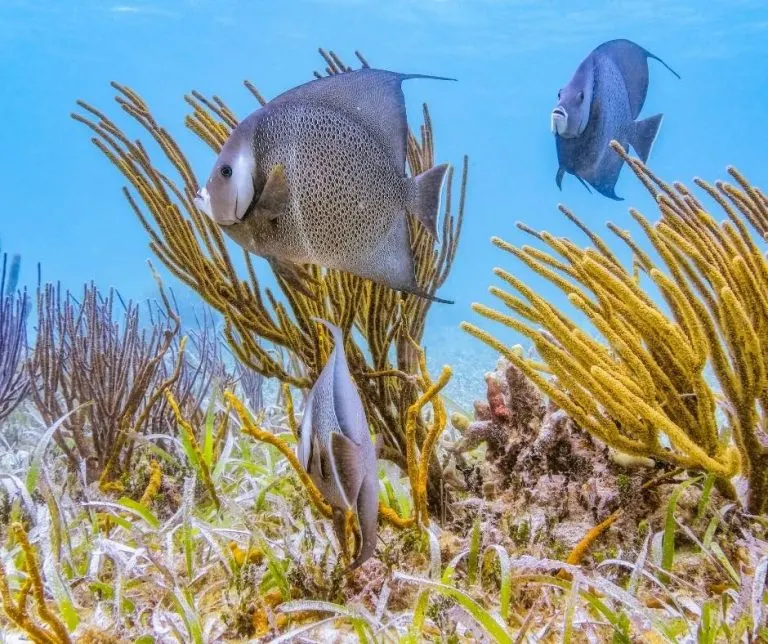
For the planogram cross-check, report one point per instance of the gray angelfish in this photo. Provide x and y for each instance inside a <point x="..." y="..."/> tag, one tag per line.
<point x="600" y="103"/>
<point x="336" y="449"/>
<point x="317" y="176"/>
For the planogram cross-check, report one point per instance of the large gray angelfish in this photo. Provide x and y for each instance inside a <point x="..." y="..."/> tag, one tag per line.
<point x="317" y="176"/>
<point x="600" y="103"/>
<point x="336" y="450"/>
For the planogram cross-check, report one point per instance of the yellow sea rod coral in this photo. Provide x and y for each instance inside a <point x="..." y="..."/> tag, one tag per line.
<point x="192" y="247"/>
<point x="155" y="481"/>
<point x="46" y="627"/>
<point x="643" y="387"/>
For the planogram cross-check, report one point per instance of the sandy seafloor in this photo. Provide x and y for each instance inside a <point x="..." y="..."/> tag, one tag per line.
<point x="469" y="359"/>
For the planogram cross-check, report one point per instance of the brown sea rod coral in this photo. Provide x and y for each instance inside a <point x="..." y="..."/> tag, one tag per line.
<point x="14" y="307"/>
<point x="378" y="323"/>
<point x="105" y="374"/>
<point x="644" y="387"/>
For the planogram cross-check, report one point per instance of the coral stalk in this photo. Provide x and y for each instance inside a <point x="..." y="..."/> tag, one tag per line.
<point x="17" y="611"/>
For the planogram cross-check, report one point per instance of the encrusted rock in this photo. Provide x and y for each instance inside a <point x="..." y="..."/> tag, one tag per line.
<point x="554" y="480"/>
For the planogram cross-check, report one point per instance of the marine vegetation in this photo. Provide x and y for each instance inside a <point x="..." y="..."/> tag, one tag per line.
<point x="652" y="383"/>
<point x="161" y="496"/>
<point x="382" y="328"/>
<point x="14" y="307"/>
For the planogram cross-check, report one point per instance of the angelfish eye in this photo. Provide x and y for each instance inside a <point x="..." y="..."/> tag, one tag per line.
<point x="581" y="96"/>
<point x="226" y="171"/>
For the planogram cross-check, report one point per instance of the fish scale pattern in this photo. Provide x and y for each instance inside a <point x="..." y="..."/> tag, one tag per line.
<point x="344" y="197"/>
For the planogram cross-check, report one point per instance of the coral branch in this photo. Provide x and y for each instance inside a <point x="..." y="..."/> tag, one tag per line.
<point x="17" y="611"/>
<point x="263" y="436"/>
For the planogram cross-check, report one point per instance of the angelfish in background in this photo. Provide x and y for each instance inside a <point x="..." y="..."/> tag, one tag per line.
<point x="317" y="176"/>
<point x="336" y="450"/>
<point x="600" y="103"/>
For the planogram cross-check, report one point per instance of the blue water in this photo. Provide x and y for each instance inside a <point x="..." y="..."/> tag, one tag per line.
<point x="61" y="201"/>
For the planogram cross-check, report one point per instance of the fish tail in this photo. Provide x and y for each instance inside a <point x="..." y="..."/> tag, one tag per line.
<point x="424" y="197"/>
<point x="644" y="134"/>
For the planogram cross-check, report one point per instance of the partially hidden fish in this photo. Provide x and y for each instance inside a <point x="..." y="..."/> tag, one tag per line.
<point x="336" y="450"/>
<point x="317" y="176"/>
<point x="600" y="103"/>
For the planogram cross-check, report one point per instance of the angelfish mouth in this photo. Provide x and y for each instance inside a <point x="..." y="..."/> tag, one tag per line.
<point x="558" y="120"/>
<point x="203" y="201"/>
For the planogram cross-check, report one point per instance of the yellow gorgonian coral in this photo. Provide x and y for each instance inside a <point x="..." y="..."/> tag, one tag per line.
<point x="192" y="247"/>
<point x="644" y="385"/>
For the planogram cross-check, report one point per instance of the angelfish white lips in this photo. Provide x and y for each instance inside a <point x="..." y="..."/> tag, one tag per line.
<point x="558" y="120"/>
<point x="203" y="201"/>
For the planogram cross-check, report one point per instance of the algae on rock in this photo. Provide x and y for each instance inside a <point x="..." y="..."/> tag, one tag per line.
<point x="553" y="480"/>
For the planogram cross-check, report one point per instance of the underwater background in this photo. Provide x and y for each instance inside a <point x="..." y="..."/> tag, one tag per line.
<point x="60" y="204"/>
<point x="574" y="450"/>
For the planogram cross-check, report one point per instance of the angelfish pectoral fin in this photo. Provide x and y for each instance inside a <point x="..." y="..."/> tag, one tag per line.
<point x="424" y="197"/>
<point x="644" y="134"/>
<point x="346" y="466"/>
<point x="318" y="460"/>
<point x="274" y="196"/>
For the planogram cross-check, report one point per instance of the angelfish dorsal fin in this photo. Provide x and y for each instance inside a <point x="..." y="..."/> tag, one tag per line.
<point x="632" y="62"/>
<point x="346" y="466"/>
<point x="373" y="96"/>
<point x="274" y="196"/>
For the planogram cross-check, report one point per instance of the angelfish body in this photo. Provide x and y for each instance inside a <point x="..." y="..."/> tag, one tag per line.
<point x="317" y="176"/>
<point x="336" y="449"/>
<point x="600" y="103"/>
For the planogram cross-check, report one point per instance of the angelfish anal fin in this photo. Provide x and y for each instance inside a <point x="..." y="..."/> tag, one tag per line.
<point x="274" y="196"/>
<point x="559" y="177"/>
<point x="346" y="465"/>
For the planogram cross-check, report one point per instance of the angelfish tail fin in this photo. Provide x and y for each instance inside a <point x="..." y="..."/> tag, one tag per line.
<point x="424" y="197"/>
<point x="644" y="134"/>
